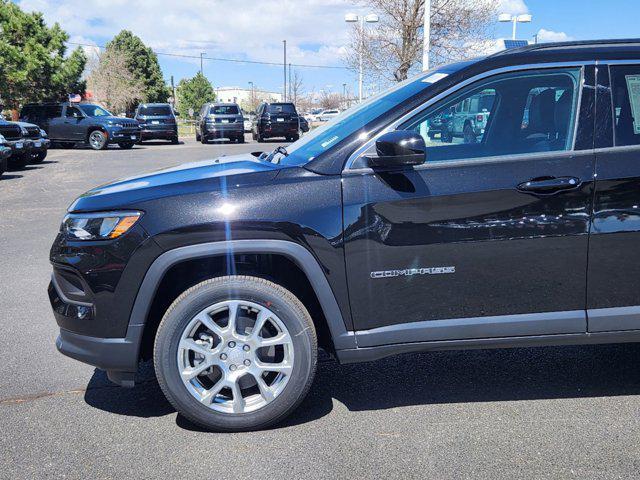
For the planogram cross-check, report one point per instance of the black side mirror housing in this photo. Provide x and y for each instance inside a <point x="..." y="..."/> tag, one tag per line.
<point x="397" y="149"/>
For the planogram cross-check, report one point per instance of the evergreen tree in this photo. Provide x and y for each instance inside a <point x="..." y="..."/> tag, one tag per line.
<point x="193" y="93"/>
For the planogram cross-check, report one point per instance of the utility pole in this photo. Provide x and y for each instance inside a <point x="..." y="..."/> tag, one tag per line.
<point x="426" y="44"/>
<point x="173" y="92"/>
<point x="201" y="54"/>
<point x="290" y="86"/>
<point x="284" y="65"/>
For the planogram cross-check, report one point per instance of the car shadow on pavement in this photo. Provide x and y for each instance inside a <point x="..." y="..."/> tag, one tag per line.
<point x="9" y="177"/>
<point x="425" y="379"/>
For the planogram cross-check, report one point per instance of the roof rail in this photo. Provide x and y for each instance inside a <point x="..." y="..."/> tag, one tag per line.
<point x="578" y="43"/>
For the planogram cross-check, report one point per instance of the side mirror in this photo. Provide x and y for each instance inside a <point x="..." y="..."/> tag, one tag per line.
<point x="398" y="148"/>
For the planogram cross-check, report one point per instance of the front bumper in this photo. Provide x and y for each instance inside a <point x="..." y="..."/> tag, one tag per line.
<point x="123" y="135"/>
<point x="39" y="145"/>
<point x="20" y="148"/>
<point x="118" y="356"/>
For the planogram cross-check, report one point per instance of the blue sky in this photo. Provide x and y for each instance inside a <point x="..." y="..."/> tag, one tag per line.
<point x="314" y="29"/>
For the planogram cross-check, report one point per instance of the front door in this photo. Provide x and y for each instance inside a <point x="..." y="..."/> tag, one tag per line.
<point x="489" y="237"/>
<point x="73" y="128"/>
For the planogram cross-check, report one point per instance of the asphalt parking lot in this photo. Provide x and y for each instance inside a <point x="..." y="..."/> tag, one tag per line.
<point x="571" y="412"/>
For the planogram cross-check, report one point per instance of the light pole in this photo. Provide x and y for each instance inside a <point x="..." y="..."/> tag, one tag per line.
<point x="515" y="19"/>
<point x="352" y="18"/>
<point x="252" y="98"/>
<point x="201" y="54"/>
<point x="426" y="44"/>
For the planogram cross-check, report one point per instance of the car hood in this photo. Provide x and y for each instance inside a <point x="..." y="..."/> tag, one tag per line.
<point x="185" y="179"/>
<point x="109" y="118"/>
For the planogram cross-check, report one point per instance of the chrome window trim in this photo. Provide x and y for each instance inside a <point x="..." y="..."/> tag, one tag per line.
<point x="489" y="73"/>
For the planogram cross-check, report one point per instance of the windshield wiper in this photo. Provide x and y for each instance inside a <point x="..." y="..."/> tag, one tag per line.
<point x="281" y="150"/>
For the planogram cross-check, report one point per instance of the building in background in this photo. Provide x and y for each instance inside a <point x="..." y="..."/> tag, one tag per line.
<point x="247" y="98"/>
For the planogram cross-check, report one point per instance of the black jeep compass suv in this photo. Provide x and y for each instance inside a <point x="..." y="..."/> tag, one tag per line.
<point x="367" y="238"/>
<point x="276" y="120"/>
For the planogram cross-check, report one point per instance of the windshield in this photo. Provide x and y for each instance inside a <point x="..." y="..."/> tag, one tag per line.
<point x="353" y="119"/>
<point x="94" y="110"/>
<point x="281" y="108"/>
<point x="155" y="110"/>
<point x="224" y="110"/>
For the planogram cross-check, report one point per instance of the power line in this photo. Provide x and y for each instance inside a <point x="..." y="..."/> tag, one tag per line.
<point x="219" y="59"/>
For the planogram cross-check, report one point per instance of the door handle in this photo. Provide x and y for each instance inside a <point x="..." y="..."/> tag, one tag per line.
<point x="549" y="185"/>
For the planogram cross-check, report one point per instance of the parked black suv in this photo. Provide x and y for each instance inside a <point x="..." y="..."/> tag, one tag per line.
<point x="276" y="120"/>
<point x="28" y="143"/>
<point x="82" y="124"/>
<point x="5" y="153"/>
<point x="367" y="239"/>
<point x="220" y="120"/>
<point x="157" y="121"/>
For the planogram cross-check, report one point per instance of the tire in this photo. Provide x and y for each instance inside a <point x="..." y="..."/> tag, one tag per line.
<point x="39" y="157"/>
<point x="203" y="140"/>
<point x="260" y="406"/>
<point x="197" y="136"/>
<point x="445" y="136"/>
<point x="240" y="139"/>
<point x="126" y="145"/>
<point x="259" y="138"/>
<point x="98" y="140"/>
<point x="175" y="141"/>
<point x="468" y="135"/>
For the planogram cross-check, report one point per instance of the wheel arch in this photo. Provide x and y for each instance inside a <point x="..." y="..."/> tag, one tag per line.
<point x="93" y="128"/>
<point x="302" y="258"/>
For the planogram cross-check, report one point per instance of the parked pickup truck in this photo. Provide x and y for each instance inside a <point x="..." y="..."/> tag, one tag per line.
<point x="83" y="123"/>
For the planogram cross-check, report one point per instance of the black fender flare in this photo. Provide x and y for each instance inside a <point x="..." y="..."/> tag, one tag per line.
<point x="342" y="338"/>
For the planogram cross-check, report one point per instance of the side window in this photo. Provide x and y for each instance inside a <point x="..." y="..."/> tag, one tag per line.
<point x="53" y="111"/>
<point x="73" y="112"/>
<point x="515" y="113"/>
<point x="625" y="91"/>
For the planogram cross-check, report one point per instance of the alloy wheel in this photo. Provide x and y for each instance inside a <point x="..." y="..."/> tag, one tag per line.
<point x="235" y="356"/>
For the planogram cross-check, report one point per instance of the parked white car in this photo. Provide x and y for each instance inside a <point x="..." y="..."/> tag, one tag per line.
<point x="327" y="115"/>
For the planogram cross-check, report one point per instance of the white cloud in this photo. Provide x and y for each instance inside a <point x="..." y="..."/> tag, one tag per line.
<point x="514" y="7"/>
<point x="551" y="36"/>
<point x="314" y="29"/>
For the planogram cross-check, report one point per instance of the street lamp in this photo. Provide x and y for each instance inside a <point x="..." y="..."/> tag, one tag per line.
<point x="353" y="18"/>
<point x="515" y="19"/>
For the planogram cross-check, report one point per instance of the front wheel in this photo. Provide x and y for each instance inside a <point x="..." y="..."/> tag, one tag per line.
<point x="39" y="157"/>
<point x="468" y="134"/>
<point x="98" y="140"/>
<point x="236" y="353"/>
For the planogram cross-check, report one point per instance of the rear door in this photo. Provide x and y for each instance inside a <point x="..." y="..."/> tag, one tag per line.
<point x="487" y="239"/>
<point x="613" y="299"/>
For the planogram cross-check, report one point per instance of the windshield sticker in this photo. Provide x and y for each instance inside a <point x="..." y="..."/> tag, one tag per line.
<point x="433" y="78"/>
<point x="328" y="142"/>
<point x="633" y="86"/>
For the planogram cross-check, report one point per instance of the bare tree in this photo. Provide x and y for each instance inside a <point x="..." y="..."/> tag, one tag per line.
<point x="330" y="100"/>
<point x="392" y="49"/>
<point x="111" y="82"/>
<point x="297" y="88"/>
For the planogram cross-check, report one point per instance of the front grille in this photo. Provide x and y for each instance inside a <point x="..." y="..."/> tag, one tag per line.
<point x="135" y="125"/>
<point x="10" y="131"/>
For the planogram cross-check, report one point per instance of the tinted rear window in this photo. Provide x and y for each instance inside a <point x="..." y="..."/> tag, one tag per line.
<point x="281" y="108"/>
<point x="224" y="110"/>
<point x="155" y="110"/>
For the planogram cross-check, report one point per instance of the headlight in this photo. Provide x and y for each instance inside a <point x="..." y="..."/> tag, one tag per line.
<point x="24" y="131"/>
<point x="114" y="124"/>
<point x="2" y="139"/>
<point x="43" y="134"/>
<point x="98" y="226"/>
